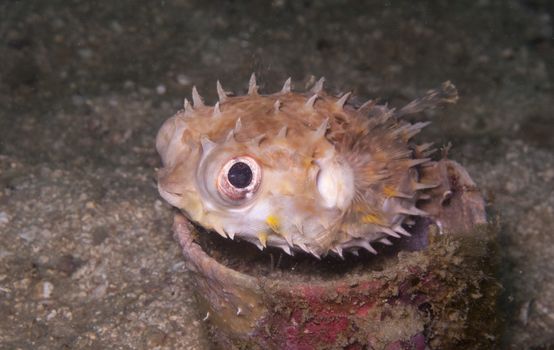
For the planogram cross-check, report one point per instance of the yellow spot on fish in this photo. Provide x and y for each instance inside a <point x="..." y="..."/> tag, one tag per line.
<point x="371" y="219"/>
<point x="389" y="191"/>
<point x="273" y="222"/>
<point x="262" y="236"/>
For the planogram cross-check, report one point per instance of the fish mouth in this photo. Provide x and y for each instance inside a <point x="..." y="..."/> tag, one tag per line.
<point x="171" y="197"/>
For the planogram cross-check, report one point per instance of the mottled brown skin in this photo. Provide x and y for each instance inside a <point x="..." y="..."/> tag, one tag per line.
<point x="331" y="177"/>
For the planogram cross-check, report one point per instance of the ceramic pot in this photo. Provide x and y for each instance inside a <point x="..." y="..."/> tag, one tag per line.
<point x="433" y="290"/>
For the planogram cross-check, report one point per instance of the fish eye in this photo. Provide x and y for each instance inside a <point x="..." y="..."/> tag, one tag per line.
<point x="239" y="178"/>
<point x="240" y="175"/>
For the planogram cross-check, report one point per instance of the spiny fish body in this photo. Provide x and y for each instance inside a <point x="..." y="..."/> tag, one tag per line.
<point x="298" y="171"/>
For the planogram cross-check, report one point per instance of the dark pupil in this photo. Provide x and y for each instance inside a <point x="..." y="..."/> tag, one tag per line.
<point x="240" y="175"/>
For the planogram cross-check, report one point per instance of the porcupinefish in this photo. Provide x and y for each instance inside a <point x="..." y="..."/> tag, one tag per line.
<point x="301" y="171"/>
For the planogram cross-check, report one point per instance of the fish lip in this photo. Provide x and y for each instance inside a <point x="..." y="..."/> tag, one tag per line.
<point x="172" y="198"/>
